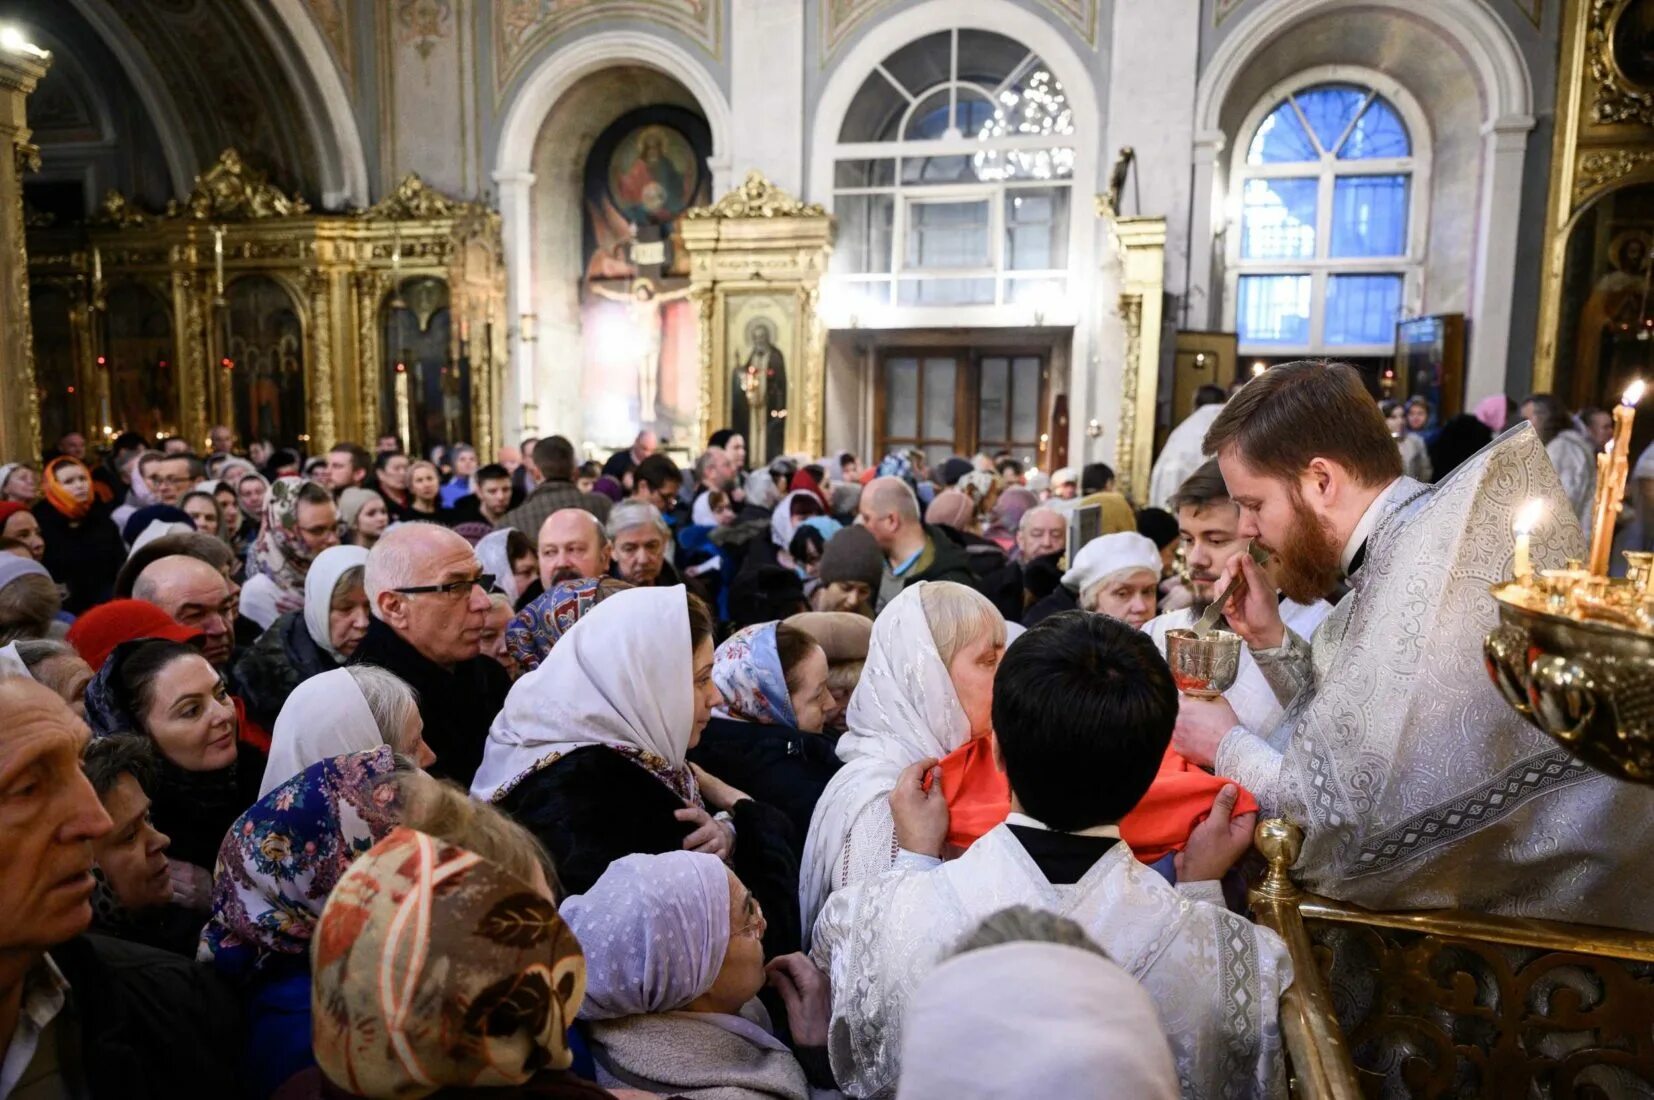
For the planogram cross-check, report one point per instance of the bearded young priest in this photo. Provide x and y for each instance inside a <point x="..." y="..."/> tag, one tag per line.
<point x="1417" y="786"/>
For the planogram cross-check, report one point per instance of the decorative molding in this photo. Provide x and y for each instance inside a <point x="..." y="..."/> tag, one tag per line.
<point x="1615" y="97"/>
<point x="757" y="197"/>
<point x="331" y="19"/>
<point x="1605" y="166"/>
<point x="119" y="211"/>
<point x="840" y="19"/>
<point x="232" y="190"/>
<point x="414" y="199"/>
<point x="1131" y="368"/>
<point x="521" y="27"/>
<point x="423" y="23"/>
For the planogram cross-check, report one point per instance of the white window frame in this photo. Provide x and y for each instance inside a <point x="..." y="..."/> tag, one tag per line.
<point x="1410" y="265"/>
<point x="906" y="195"/>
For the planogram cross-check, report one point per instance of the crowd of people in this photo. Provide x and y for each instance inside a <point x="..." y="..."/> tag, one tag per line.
<point x="362" y="775"/>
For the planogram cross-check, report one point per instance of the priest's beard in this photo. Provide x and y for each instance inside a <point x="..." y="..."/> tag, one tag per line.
<point x="1307" y="563"/>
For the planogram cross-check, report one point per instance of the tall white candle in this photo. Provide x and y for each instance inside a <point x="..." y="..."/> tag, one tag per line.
<point x="1527" y="518"/>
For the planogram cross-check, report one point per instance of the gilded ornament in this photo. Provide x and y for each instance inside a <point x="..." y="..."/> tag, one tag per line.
<point x="1622" y="81"/>
<point x="757" y="197"/>
<point x="414" y="198"/>
<point x="119" y="211"/>
<point x="233" y="190"/>
<point x="1131" y="312"/>
<point x="1599" y="168"/>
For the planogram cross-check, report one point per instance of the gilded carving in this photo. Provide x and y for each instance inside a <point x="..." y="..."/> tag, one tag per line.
<point x="320" y="377"/>
<point x="757" y="197"/>
<point x="233" y="190"/>
<point x="1125" y="447"/>
<point x="1599" y="168"/>
<point x="414" y="198"/>
<point x="119" y="211"/>
<point x="1622" y="93"/>
<point x="371" y="287"/>
<point x="22" y="343"/>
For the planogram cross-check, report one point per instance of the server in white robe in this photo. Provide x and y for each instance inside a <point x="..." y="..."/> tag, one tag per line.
<point x="1182" y="454"/>
<point x="1083" y="710"/>
<point x="1416" y="784"/>
<point x="1208" y="524"/>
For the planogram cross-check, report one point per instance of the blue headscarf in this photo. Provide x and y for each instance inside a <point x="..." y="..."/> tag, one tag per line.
<point x="747" y="669"/>
<point x="539" y="626"/>
<point x="896" y="464"/>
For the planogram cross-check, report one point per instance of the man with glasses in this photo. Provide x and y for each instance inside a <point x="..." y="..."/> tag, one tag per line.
<point x="429" y="600"/>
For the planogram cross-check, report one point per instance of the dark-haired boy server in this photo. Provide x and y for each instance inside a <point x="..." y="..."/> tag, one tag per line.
<point x="1083" y="710"/>
<point x="1417" y="786"/>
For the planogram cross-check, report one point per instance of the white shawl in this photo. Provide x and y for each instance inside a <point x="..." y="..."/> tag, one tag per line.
<point x="623" y="676"/>
<point x="904" y="709"/>
<point x="326" y="716"/>
<point x="494" y="555"/>
<point x="319" y="582"/>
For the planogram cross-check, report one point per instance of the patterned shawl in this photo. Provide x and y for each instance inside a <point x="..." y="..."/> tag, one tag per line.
<point x="281" y="858"/>
<point x="280" y="552"/>
<point x="748" y="672"/>
<point x="539" y="626"/>
<point x="434" y="968"/>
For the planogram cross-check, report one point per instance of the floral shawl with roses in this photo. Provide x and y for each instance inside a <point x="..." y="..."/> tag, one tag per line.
<point x="282" y="858"/>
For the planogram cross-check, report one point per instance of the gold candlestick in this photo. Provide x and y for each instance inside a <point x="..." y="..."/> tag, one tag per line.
<point x="218" y="264"/>
<point x="1613" y="466"/>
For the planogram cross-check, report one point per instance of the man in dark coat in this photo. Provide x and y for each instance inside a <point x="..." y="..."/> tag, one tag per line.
<point x="913" y="551"/>
<point x="86" y="1015"/>
<point x="429" y="610"/>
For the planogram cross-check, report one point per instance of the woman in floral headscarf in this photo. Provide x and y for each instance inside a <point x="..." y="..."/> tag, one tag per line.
<point x="439" y="970"/>
<point x="766" y="739"/>
<point x="538" y="626"/>
<point x="300" y="521"/>
<point x="276" y="867"/>
<point x="84" y="550"/>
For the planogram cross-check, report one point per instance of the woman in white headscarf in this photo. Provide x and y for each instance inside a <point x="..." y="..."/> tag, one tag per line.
<point x="673" y="971"/>
<point x="925" y="693"/>
<point x="347" y="710"/>
<point x="509" y="556"/>
<point x="315" y="639"/>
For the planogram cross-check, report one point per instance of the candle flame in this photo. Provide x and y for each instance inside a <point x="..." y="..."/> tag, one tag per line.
<point x="1608" y="447"/>
<point x="1633" y="393"/>
<point x="1527" y="518"/>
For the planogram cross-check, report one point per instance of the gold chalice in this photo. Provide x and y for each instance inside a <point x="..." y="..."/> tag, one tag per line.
<point x="1203" y="667"/>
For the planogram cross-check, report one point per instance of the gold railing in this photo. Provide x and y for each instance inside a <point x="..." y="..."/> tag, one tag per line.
<point x="1448" y="1003"/>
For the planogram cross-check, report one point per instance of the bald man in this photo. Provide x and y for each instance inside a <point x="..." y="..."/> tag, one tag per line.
<point x="572" y="545"/>
<point x="195" y="594"/>
<point x="912" y="550"/>
<point x="85" y="1015"/>
<point x="622" y="463"/>
<point x="429" y="599"/>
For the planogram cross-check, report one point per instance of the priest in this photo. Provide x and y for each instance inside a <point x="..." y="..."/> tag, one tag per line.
<point x="1416" y="785"/>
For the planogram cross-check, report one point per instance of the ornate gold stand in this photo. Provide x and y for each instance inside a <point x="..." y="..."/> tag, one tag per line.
<point x="338" y="272"/>
<point x="21" y="67"/>
<point x="1140" y="246"/>
<point x="757" y="257"/>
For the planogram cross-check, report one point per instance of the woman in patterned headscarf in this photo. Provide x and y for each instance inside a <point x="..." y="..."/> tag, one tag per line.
<point x="300" y="521"/>
<point x="84" y="550"/>
<point x="539" y="626"/>
<point x="438" y="969"/>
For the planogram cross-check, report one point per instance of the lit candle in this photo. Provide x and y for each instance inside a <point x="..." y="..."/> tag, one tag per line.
<point x="1526" y="520"/>
<point x="218" y="259"/>
<point x="1613" y="466"/>
<point x="97" y="267"/>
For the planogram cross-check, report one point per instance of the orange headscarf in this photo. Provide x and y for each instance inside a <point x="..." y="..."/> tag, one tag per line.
<point x="979" y="797"/>
<point x="59" y="497"/>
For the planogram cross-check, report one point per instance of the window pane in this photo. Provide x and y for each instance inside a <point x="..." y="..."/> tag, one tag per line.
<point x="943" y="235"/>
<point x="1036" y="104"/>
<point x="1274" y="309"/>
<point x="1025" y="164"/>
<point x="862" y="295"/>
<point x="929" y="120"/>
<point x="923" y="63"/>
<point x="864" y="223"/>
<point x="1369" y="216"/>
<point x="864" y="173"/>
<point x="991" y="414"/>
<point x="1278" y="219"/>
<point x="1363" y="309"/>
<point x="1379" y="133"/>
<point x="972" y="112"/>
<point x="988" y="59"/>
<point x="1022" y="292"/>
<point x="939" y="397"/>
<point x="1036" y="229"/>
<point x="1329" y="110"/>
<point x="1281" y="140"/>
<point x="875" y="111"/>
<point x="1025" y="372"/>
<point x="945" y="292"/>
<point x="901" y="398"/>
<point x="956" y="169"/>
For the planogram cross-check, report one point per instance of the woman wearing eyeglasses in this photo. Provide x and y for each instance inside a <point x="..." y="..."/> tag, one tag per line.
<point x="673" y="973"/>
<point x="84" y="550"/>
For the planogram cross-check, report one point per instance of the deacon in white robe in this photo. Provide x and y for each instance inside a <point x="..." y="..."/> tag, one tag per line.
<point x="1182" y="455"/>
<point x="1417" y="785"/>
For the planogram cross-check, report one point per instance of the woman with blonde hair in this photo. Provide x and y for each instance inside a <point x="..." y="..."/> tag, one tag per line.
<point x="925" y="697"/>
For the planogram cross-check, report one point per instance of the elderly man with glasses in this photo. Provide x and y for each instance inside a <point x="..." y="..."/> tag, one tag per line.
<point x="429" y="600"/>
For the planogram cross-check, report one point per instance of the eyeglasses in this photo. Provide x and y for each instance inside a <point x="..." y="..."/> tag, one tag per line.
<point x="755" y="926"/>
<point x="485" y="581"/>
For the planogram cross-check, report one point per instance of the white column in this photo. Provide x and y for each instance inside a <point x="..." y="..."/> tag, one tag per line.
<point x="766" y="94"/>
<point x="1504" y="153"/>
<point x="516" y="226"/>
<point x="1205" y="223"/>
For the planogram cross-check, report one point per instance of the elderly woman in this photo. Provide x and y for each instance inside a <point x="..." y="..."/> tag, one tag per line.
<point x="18" y="483"/>
<point x="315" y="639"/>
<point x="166" y="691"/>
<point x="29" y="600"/>
<point x="300" y="521"/>
<point x="57" y="666"/>
<point x="202" y="509"/>
<point x="926" y="693"/>
<point x="674" y="967"/>
<point x="606" y="721"/>
<point x="844" y="637"/>
<point x="365" y="516"/>
<point x="83" y="548"/>
<point x="19" y="528"/>
<point x="352" y="709"/>
<point x="766" y="739"/>
<point x="1117" y="575"/>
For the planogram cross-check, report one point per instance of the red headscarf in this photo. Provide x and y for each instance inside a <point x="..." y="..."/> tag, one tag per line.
<point x="803" y="482"/>
<point x="1180" y="798"/>
<point x="59" y="497"/>
<point x="8" y="509"/>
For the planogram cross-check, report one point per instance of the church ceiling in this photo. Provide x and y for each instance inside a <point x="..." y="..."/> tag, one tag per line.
<point x="522" y="26"/>
<point x="840" y="18"/>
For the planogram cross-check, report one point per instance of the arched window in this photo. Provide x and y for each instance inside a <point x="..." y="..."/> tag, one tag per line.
<point x="952" y="177"/>
<point x="1326" y="242"/>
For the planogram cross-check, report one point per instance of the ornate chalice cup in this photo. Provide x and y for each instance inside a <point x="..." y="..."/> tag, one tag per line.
<point x="1203" y="668"/>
